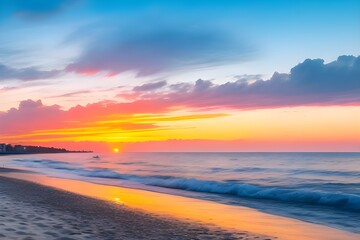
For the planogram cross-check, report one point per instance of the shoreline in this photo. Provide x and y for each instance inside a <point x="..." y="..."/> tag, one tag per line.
<point x="40" y="212"/>
<point x="234" y="219"/>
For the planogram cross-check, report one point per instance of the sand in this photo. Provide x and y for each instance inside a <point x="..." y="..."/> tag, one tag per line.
<point x="33" y="211"/>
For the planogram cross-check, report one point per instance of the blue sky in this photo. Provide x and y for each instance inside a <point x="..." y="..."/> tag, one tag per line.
<point x="178" y="41"/>
<point x="279" y="33"/>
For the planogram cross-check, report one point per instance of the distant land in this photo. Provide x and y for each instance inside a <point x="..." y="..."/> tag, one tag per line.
<point x="6" y="149"/>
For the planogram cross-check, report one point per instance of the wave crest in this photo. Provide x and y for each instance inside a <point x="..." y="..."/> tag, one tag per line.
<point x="302" y="196"/>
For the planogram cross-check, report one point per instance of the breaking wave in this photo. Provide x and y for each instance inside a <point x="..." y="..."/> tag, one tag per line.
<point x="244" y="190"/>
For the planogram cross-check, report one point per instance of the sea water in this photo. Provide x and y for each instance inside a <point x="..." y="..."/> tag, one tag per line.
<point x="322" y="188"/>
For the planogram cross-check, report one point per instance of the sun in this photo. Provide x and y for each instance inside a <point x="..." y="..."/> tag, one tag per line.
<point x="116" y="150"/>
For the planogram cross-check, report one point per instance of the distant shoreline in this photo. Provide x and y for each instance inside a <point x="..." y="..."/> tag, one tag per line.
<point x="9" y="149"/>
<point x="24" y="153"/>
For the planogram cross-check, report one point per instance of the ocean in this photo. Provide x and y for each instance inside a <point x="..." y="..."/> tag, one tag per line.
<point x="322" y="188"/>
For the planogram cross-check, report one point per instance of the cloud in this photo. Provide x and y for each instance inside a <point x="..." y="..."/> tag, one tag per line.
<point x="154" y="47"/>
<point x="72" y="94"/>
<point x="337" y="76"/>
<point x="42" y="117"/>
<point x="150" y="86"/>
<point x="26" y="74"/>
<point x="35" y="9"/>
<point x="7" y="89"/>
<point x="248" y="78"/>
<point x="30" y="115"/>
<point x="34" y="121"/>
<point x="309" y="83"/>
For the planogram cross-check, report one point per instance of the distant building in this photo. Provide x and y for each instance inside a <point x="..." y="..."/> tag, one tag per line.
<point x="19" y="149"/>
<point x="2" y="147"/>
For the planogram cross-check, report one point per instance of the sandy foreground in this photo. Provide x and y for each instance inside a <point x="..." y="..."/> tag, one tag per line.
<point x="32" y="211"/>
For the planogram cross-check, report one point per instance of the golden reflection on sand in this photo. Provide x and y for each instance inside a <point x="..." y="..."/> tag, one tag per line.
<point x="226" y="216"/>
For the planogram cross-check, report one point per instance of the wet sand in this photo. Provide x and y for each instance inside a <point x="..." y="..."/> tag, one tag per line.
<point x="33" y="211"/>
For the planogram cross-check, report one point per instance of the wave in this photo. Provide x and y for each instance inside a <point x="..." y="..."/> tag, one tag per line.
<point x="338" y="200"/>
<point x="132" y="163"/>
<point x="289" y="171"/>
<point x="51" y="164"/>
<point x="327" y="172"/>
<point x="244" y="190"/>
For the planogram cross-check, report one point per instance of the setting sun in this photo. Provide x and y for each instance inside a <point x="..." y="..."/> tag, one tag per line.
<point x="116" y="150"/>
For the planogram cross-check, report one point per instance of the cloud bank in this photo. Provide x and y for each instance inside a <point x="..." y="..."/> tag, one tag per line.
<point x="44" y="122"/>
<point x="311" y="82"/>
<point x="26" y="74"/>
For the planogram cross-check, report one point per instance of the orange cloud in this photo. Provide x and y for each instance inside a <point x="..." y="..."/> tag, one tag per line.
<point x="103" y="121"/>
<point x="153" y="125"/>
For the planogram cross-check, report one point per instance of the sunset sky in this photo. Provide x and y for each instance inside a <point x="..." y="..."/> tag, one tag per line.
<point x="200" y="75"/>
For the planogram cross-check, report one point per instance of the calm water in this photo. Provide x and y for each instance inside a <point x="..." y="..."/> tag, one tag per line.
<point x="321" y="188"/>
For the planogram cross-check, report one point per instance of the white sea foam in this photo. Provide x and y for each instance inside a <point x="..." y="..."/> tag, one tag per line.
<point x="238" y="189"/>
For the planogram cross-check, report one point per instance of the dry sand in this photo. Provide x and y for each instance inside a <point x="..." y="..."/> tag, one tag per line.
<point x="32" y="211"/>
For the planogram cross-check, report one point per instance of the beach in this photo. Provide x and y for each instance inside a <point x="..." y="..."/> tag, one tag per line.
<point x="172" y="196"/>
<point x="36" y="206"/>
<point x="32" y="211"/>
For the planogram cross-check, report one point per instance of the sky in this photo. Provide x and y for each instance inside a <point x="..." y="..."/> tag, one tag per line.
<point x="185" y="75"/>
